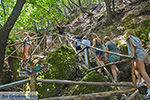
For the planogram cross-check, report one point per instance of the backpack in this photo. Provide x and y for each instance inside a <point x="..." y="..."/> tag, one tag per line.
<point x="27" y="40"/>
<point x="78" y="45"/>
<point x="136" y="42"/>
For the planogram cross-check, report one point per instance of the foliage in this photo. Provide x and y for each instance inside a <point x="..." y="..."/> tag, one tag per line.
<point x="131" y="25"/>
<point x="145" y="23"/>
<point x="142" y="30"/>
<point x="38" y="14"/>
<point x="128" y="18"/>
<point x="61" y="66"/>
<point x="64" y="58"/>
<point x="142" y="33"/>
<point x="6" y="7"/>
<point x="92" y="77"/>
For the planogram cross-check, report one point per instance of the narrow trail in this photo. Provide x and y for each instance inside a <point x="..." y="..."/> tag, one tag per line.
<point x="67" y="41"/>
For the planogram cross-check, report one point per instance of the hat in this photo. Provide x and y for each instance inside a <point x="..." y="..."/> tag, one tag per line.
<point x="85" y="37"/>
<point x="106" y="38"/>
<point x="78" y="37"/>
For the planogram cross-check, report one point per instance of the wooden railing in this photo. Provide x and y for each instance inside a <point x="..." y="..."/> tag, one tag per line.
<point x="33" y="80"/>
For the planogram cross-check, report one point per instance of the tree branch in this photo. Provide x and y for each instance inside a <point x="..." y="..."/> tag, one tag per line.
<point x="81" y="8"/>
<point x="74" y="3"/>
<point x="79" y="1"/>
<point x="57" y="22"/>
<point x="66" y="5"/>
<point x="70" y="4"/>
<point x="92" y="96"/>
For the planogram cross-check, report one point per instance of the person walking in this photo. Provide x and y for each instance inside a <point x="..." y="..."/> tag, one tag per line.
<point x="26" y="39"/>
<point x="87" y="50"/>
<point x="77" y="44"/>
<point x="48" y="40"/>
<point x="98" y="44"/>
<point x="136" y="50"/>
<point x="111" y="46"/>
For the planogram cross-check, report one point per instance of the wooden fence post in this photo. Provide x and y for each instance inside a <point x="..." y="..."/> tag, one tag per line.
<point x="33" y="83"/>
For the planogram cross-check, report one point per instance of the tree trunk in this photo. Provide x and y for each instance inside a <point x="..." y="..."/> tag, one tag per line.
<point x="93" y="96"/>
<point x="5" y="30"/>
<point x="79" y="1"/>
<point x="113" y="6"/>
<point x="81" y="8"/>
<point x="109" y="12"/>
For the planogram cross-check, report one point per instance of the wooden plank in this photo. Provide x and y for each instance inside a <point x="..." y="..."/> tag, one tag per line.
<point x="124" y="60"/>
<point x="12" y="52"/>
<point x="22" y="42"/>
<point x="80" y="51"/>
<point x="133" y="96"/>
<point x="33" y="83"/>
<point x="88" y="56"/>
<point x="83" y="66"/>
<point x="34" y="50"/>
<point x="69" y="82"/>
<point x="59" y="38"/>
<point x="17" y="57"/>
<point x="91" y="96"/>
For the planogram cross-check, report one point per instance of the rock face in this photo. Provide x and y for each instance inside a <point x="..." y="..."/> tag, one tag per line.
<point x="128" y="15"/>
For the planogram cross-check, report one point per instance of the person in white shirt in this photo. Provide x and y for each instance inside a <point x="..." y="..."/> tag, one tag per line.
<point x="87" y="50"/>
<point x="48" y="41"/>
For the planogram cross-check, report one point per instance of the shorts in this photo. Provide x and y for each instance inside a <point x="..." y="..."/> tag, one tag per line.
<point x="140" y="55"/>
<point x="99" y="52"/>
<point x="113" y="58"/>
<point x="48" y="40"/>
<point x="28" y="43"/>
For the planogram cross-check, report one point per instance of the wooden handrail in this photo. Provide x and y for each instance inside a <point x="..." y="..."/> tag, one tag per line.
<point x="131" y="97"/>
<point x="69" y="82"/>
<point x="22" y="42"/>
<point x="112" y="63"/>
<point x="14" y="84"/>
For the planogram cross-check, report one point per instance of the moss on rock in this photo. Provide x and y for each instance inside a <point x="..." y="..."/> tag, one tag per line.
<point x="128" y="18"/>
<point x="145" y="23"/>
<point x="92" y="77"/>
<point x="61" y="66"/>
<point x="131" y="25"/>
